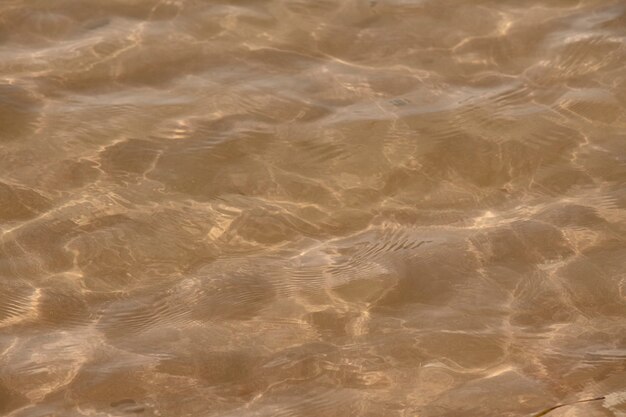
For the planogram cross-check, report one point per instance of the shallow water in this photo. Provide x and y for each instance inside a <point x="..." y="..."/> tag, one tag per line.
<point x="312" y="208"/>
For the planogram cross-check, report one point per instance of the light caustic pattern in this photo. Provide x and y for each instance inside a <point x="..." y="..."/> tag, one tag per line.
<point x="293" y="208"/>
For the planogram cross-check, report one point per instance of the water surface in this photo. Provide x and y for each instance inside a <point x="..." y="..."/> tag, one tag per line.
<point x="293" y="208"/>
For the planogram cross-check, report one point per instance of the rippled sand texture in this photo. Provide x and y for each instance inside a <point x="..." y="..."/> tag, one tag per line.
<point x="312" y="208"/>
